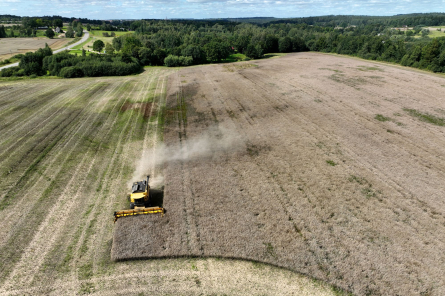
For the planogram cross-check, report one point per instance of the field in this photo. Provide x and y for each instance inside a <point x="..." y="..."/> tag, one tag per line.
<point x="13" y="46"/>
<point x="329" y="166"/>
<point x="69" y="149"/>
<point x="96" y="35"/>
<point x="434" y="33"/>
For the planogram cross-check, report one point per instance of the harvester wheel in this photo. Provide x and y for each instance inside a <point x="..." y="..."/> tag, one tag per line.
<point x="131" y="205"/>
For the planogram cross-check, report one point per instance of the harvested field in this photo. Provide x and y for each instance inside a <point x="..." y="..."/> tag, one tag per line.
<point x="68" y="149"/>
<point x="13" y="46"/>
<point x="328" y="172"/>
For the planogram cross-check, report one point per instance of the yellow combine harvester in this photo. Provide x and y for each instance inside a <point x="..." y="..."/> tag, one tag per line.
<point x="139" y="199"/>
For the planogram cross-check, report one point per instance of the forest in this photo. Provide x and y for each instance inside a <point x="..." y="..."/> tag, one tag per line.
<point x="402" y="39"/>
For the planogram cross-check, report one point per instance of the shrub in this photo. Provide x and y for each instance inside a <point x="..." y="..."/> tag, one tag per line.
<point x="175" y="61"/>
<point x="71" y="72"/>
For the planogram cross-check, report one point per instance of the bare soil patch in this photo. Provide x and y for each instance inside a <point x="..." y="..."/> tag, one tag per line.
<point x="320" y="186"/>
<point x="13" y="46"/>
<point x="144" y="108"/>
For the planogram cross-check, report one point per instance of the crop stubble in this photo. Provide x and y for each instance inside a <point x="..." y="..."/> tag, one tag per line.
<point x="321" y="187"/>
<point x="12" y="46"/>
<point x="68" y="153"/>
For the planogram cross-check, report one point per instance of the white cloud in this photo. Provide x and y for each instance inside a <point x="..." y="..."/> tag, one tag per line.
<point x="134" y="9"/>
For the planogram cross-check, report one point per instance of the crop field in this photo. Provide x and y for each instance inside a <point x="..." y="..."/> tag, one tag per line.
<point x="12" y="46"/>
<point x="69" y="150"/>
<point x="329" y="166"/>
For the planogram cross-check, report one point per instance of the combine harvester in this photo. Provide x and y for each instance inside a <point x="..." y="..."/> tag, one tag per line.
<point x="139" y="199"/>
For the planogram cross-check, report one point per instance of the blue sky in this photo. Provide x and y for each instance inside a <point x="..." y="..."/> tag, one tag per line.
<point x="161" y="9"/>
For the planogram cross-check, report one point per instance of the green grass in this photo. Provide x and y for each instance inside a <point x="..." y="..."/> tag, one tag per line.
<point x="236" y="57"/>
<point x="98" y="33"/>
<point x="274" y="55"/>
<point x="382" y="118"/>
<point x="79" y="46"/>
<point x="9" y="61"/>
<point x="366" y="68"/>
<point x="73" y="41"/>
<point x="435" y="34"/>
<point x="331" y="162"/>
<point x="79" y="52"/>
<point x="426" y="117"/>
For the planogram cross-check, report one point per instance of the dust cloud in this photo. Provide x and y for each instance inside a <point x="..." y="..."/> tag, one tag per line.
<point x="209" y="144"/>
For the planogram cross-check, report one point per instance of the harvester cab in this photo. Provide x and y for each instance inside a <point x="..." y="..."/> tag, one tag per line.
<point x="140" y="194"/>
<point x="140" y="201"/>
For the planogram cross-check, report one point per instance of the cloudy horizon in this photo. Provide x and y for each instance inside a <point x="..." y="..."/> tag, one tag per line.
<point x="202" y="9"/>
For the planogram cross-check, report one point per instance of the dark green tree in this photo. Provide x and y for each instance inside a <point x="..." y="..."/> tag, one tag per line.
<point x="216" y="51"/>
<point x="69" y="33"/>
<point x="109" y="49"/>
<point x="285" y="44"/>
<point x="79" y="30"/>
<point x="98" y="45"/>
<point x="58" y="23"/>
<point x="2" y="32"/>
<point x="49" y="33"/>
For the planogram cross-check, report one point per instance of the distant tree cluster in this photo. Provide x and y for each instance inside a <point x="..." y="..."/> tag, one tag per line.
<point x="3" y="32"/>
<point x="43" y="62"/>
<point x="190" y="42"/>
<point x="28" y="26"/>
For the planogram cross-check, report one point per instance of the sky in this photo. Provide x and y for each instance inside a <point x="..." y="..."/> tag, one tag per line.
<point x="200" y="9"/>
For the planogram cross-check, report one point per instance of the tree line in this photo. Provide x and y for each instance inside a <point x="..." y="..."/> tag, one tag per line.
<point x="44" y="62"/>
<point x="192" y="42"/>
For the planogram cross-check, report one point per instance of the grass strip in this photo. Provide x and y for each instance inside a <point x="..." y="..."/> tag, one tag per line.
<point x="426" y="117"/>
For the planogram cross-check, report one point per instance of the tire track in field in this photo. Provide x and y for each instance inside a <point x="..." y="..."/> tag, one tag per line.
<point x="350" y="109"/>
<point x="162" y="103"/>
<point x="34" y="120"/>
<point x="219" y="278"/>
<point x="46" y="235"/>
<point x="40" y="148"/>
<point x="60" y="148"/>
<point x="312" y="248"/>
<point x="44" y="242"/>
<point x="52" y="161"/>
<point x="279" y="191"/>
<point x="20" y="93"/>
<point x="354" y="155"/>
<point x="74" y="101"/>
<point x="22" y="141"/>
<point x="21" y="90"/>
<point x="84" y="236"/>
<point x="182" y="134"/>
<point x="104" y="225"/>
<point x="108" y="127"/>
<point x="283" y="198"/>
<point x="381" y="176"/>
<point x="35" y="102"/>
<point x="11" y="117"/>
<point x="407" y="143"/>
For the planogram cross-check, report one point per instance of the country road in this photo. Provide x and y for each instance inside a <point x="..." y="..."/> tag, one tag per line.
<point x="85" y="37"/>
